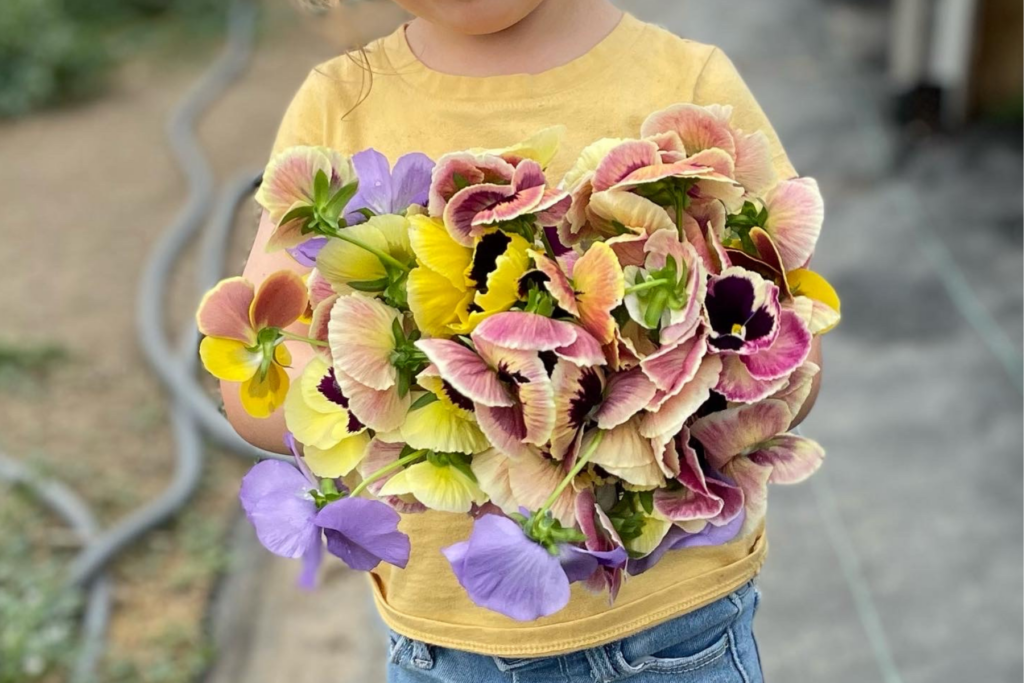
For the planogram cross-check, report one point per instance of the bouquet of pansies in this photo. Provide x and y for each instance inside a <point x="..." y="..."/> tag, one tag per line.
<point x="599" y="372"/>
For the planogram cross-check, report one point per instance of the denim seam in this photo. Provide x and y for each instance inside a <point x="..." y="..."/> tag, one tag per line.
<point x="736" y="657"/>
<point x="655" y="666"/>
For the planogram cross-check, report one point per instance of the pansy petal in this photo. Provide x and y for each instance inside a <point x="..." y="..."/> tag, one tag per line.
<point x="754" y="168"/>
<point x="752" y="479"/>
<point x="540" y="147"/>
<point x="505" y="428"/>
<point x="461" y="212"/>
<point x="382" y="411"/>
<point x="439" y="427"/>
<point x="261" y="397"/>
<point x="684" y="504"/>
<point x="792" y="458"/>
<point x="375" y="188"/>
<point x="224" y="311"/>
<point x="457" y="170"/>
<point x="506" y="572"/>
<point x="697" y="127"/>
<point x="268" y="477"/>
<point x="623" y="447"/>
<point x="729" y="432"/>
<point x="738" y="385"/>
<point x="525" y="331"/>
<point x="228" y="359"/>
<point x="627" y="393"/>
<point x="623" y="160"/>
<point x="445" y="489"/>
<point x="338" y="460"/>
<point x="672" y="366"/>
<point x="435" y="249"/>
<point x="651" y="535"/>
<point x="791" y="347"/>
<point x="600" y="286"/>
<point x="673" y="412"/>
<point x="533" y="478"/>
<point x="798" y="386"/>
<point x="492" y="469"/>
<point x="585" y="350"/>
<point x="637" y="214"/>
<point x="796" y="212"/>
<point x="557" y="284"/>
<point x="435" y="303"/>
<point x="364" y="533"/>
<point x="466" y="371"/>
<point x="361" y="338"/>
<point x="279" y="301"/>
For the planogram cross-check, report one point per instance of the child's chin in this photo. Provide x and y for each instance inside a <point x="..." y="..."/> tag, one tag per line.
<point x="473" y="17"/>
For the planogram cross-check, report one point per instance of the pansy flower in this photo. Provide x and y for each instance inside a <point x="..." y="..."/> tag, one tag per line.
<point x="748" y="444"/>
<point x="668" y="292"/>
<point x="454" y="288"/>
<point x="292" y="516"/>
<point x="442" y="482"/>
<point x="510" y="389"/>
<point x="243" y="330"/>
<point x="587" y="395"/>
<point x="814" y="300"/>
<point x="316" y="412"/>
<point x="677" y="538"/>
<point x="526" y="481"/>
<point x="526" y="197"/>
<point x="304" y="188"/>
<point x="383" y="190"/>
<point x="374" y="362"/>
<point x="601" y="536"/>
<point x="505" y="570"/>
<point x="588" y="288"/>
<point x="441" y="419"/>
<point x="374" y="256"/>
<point x="624" y="453"/>
<point x="699" y="495"/>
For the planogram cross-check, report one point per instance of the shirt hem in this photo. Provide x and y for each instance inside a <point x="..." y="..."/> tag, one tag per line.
<point x="432" y="632"/>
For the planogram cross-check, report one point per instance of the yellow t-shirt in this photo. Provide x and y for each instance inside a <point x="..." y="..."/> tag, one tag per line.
<point x="387" y="99"/>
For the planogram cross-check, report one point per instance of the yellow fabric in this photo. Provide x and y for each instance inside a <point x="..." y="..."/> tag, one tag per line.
<point x="389" y="100"/>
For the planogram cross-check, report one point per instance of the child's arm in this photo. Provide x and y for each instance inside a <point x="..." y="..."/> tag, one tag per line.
<point x="266" y="433"/>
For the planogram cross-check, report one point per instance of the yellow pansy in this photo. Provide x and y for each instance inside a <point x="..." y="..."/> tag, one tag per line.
<point x="446" y="424"/>
<point x="454" y="288"/>
<point x="316" y="412"/>
<point x="440" y="482"/>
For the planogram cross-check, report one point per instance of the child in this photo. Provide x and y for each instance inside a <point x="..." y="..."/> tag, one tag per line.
<point x="488" y="73"/>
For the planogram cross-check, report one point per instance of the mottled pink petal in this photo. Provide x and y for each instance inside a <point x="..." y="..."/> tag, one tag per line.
<point x="798" y="386"/>
<point x="796" y="212"/>
<point x="697" y="127"/>
<point x="525" y="331"/>
<point x="382" y="411"/>
<point x="521" y="203"/>
<point x="754" y="168"/>
<point x="752" y="479"/>
<point x="790" y="349"/>
<point x="505" y="428"/>
<point x="466" y="371"/>
<point x="623" y="160"/>
<point x="557" y="284"/>
<point x="362" y="340"/>
<point x="792" y="458"/>
<point x="672" y="366"/>
<point x="319" y="325"/>
<point x="224" y="311"/>
<point x="461" y="212"/>
<point x="626" y="394"/>
<point x="473" y="169"/>
<point x="319" y="288"/>
<point x="728" y="433"/>
<point x="684" y="505"/>
<point x="732" y="501"/>
<point x="738" y="385"/>
<point x="538" y="406"/>
<point x="629" y="249"/>
<point x="585" y="350"/>
<point x="673" y="412"/>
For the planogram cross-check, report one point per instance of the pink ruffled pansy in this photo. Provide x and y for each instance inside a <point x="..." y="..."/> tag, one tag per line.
<point x="526" y="197"/>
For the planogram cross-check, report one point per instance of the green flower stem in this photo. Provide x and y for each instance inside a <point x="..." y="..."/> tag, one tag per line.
<point x="648" y="284"/>
<point x="679" y="201"/>
<point x="581" y="462"/>
<point x="307" y="340"/>
<point x="384" y="258"/>
<point x="387" y="469"/>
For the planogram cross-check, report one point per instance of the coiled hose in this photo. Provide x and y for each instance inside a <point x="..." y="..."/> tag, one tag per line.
<point x="192" y="409"/>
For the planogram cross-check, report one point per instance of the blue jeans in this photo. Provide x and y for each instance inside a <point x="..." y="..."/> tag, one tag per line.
<point x="714" y="644"/>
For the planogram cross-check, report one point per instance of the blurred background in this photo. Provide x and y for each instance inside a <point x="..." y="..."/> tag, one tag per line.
<point x="901" y="561"/>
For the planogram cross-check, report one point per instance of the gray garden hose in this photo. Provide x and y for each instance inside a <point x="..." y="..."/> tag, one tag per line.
<point x="192" y="407"/>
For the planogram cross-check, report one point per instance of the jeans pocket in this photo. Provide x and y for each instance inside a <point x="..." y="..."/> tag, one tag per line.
<point x="673" y="661"/>
<point x="396" y="645"/>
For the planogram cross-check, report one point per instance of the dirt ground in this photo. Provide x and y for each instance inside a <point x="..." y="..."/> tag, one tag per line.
<point x="85" y="193"/>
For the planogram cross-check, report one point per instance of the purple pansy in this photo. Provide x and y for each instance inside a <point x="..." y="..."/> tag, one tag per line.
<point x="384" y="190"/>
<point x="505" y="571"/>
<point x="743" y="309"/>
<point x="278" y="500"/>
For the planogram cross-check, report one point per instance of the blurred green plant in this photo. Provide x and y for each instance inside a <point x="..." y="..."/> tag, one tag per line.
<point x="27" y="362"/>
<point x="38" y="628"/>
<point x="185" y="655"/>
<point x="57" y="51"/>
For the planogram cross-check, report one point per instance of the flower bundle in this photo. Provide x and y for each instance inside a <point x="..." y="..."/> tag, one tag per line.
<point x="599" y="371"/>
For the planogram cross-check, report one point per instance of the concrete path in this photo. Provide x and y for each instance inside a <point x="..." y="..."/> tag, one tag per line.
<point x="903" y="560"/>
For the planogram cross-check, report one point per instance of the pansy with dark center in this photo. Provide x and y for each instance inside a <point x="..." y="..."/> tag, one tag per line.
<point x="743" y="309"/>
<point x="588" y="397"/>
<point x="485" y="258"/>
